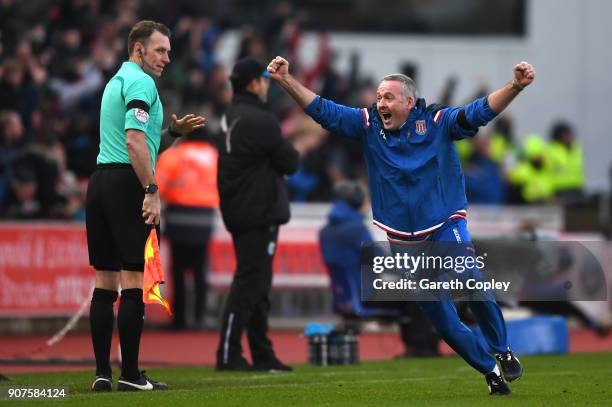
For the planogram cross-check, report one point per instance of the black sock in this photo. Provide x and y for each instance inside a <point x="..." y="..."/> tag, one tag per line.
<point x="130" y="321"/>
<point x="101" y="321"/>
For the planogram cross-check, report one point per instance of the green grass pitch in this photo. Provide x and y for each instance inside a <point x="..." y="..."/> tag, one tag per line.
<point x="584" y="379"/>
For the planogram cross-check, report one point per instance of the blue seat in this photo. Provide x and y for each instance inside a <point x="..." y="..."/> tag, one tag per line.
<point x="340" y="243"/>
<point x="538" y="335"/>
<point x="346" y="293"/>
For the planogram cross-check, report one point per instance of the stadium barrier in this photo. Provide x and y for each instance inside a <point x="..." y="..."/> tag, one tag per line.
<point x="45" y="271"/>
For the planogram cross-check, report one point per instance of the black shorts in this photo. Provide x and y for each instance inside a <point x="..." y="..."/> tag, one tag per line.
<point x="116" y="230"/>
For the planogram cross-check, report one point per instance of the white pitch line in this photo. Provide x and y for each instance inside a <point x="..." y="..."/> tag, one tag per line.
<point x="353" y="382"/>
<point x="369" y="372"/>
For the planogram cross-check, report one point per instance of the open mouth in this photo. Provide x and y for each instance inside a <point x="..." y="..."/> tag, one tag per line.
<point x="386" y="116"/>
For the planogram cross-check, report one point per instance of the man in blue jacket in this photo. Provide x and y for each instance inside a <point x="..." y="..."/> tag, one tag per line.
<point x="418" y="189"/>
<point x="341" y="241"/>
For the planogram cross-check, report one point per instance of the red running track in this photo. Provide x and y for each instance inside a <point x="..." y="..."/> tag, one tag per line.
<point x="161" y="349"/>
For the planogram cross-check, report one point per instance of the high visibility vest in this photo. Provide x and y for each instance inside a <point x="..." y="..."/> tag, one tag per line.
<point x="187" y="175"/>
<point x="536" y="183"/>
<point x="464" y="149"/>
<point x="500" y="148"/>
<point x="567" y="166"/>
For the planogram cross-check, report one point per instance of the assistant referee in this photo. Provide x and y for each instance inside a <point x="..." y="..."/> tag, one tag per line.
<point x="123" y="202"/>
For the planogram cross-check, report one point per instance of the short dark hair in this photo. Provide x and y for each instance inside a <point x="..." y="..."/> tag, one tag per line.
<point x="142" y="30"/>
<point x="559" y="129"/>
<point x="245" y="70"/>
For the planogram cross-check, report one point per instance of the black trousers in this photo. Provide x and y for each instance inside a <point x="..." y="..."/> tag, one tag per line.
<point x="248" y="302"/>
<point x="417" y="333"/>
<point x="194" y="257"/>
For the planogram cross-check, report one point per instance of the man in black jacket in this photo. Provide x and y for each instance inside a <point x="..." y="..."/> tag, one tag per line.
<point x="253" y="159"/>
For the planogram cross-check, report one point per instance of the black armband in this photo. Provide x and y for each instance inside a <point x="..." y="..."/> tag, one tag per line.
<point x="462" y="120"/>
<point x="319" y="104"/>
<point x="137" y="104"/>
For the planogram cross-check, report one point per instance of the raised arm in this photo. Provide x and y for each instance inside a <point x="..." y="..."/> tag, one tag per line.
<point x="462" y="122"/>
<point x="524" y="74"/>
<point x="337" y="118"/>
<point x="279" y="71"/>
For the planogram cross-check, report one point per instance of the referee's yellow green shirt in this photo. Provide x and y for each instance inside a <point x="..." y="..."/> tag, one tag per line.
<point x="130" y="101"/>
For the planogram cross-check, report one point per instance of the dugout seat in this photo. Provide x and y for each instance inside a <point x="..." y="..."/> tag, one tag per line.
<point x="346" y="298"/>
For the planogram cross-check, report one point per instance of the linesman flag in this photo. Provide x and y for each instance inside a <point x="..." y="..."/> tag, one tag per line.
<point x="153" y="274"/>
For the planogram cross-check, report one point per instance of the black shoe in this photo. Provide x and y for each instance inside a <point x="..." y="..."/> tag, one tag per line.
<point x="237" y="365"/>
<point x="272" y="366"/>
<point x="102" y="383"/>
<point x="510" y="365"/>
<point x="497" y="385"/>
<point x="143" y="383"/>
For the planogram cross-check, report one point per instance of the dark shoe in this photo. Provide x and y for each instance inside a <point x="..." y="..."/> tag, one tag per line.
<point x="272" y="366"/>
<point x="497" y="385"/>
<point x="102" y="383"/>
<point x="143" y="383"/>
<point x="510" y="365"/>
<point x="237" y="365"/>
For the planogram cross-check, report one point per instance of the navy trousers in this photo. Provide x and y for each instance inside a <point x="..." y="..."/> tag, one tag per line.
<point x="442" y="312"/>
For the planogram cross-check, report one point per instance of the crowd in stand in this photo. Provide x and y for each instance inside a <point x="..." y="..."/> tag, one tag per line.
<point x="56" y="56"/>
<point x="498" y="170"/>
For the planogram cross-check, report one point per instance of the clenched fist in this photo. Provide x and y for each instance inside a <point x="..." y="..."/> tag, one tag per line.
<point x="524" y="74"/>
<point x="278" y="68"/>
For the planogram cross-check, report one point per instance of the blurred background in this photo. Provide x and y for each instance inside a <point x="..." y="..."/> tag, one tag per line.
<point x="542" y="168"/>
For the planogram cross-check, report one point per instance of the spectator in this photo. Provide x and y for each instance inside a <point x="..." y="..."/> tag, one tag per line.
<point x="187" y="179"/>
<point x="532" y="176"/>
<point x="484" y="182"/>
<point x="22" y="201"/>
<point x="14" y="89"/>
<point x="566" y="161"/>
<point x="11" y="137"/>
<point x="503" y="148"/>
<point x="41" y="160"/>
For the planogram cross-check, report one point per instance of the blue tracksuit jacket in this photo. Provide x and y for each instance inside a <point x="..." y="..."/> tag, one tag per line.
<point x="415" y="178"/>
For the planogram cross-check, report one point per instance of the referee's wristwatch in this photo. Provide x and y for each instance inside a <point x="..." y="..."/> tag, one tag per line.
<point x="151" y="189"/>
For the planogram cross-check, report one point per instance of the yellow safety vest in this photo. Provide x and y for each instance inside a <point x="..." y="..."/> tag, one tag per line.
<point x="567" y="167"/>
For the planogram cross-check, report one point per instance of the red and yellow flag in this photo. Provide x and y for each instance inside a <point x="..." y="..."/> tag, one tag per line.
<point x="153" y="274"/>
